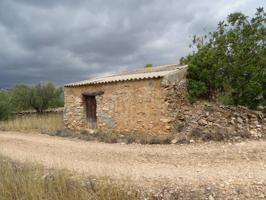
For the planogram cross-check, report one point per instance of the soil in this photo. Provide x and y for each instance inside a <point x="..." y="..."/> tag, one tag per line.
<point x="154" y="165"/>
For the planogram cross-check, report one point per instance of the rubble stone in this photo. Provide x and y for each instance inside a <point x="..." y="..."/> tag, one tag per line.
<point x="234" y="120"/>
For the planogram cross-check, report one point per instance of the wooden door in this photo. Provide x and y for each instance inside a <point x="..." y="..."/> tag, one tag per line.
<point x="91" y="111"/>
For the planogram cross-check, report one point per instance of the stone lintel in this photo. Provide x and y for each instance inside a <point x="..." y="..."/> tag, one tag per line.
<point x="91" y="94"/>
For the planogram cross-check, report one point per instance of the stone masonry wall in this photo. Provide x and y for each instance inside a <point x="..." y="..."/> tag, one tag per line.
<point x="135" y="106"/>
<point x="159" y="106"/>
<point x="205" y="119"/>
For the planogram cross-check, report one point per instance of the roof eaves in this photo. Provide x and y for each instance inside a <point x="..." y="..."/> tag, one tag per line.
<point x="124" y="77"/>
<point x="76" y="84"/>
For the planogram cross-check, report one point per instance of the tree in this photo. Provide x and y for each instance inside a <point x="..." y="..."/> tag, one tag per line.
<point x="5" y="104"/>
<point x="20" y="97"/>
<point x="38" y="97"/>
<point x="229" y="64"/>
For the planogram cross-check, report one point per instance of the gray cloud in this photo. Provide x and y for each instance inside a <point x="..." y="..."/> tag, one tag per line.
<point x="66" y="40"/>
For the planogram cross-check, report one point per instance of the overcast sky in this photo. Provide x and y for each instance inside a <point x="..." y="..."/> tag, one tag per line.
<point x="69" y="40"/>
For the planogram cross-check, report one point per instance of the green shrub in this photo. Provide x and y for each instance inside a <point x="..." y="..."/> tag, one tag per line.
<point x="230" y="63"/>
<point x="5" y="105"/>
<point x="148" y="65"/>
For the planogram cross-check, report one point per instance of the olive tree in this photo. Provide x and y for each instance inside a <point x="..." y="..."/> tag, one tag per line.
<point x="38" y="97"/>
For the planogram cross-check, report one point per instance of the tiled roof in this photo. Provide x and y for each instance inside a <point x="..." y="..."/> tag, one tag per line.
<point x="139" y="74"/>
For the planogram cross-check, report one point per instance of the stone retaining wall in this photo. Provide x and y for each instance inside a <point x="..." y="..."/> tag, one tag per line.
<point x="208" y="118"/>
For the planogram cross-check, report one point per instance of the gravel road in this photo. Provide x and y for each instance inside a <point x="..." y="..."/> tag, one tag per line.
<point x="243" y="162"/>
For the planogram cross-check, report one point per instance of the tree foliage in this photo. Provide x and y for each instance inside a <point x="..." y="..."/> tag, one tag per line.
<point x="38" y="97"/>
<point x="229" y="64"/>
<point x="5" y="104"/>
<point x="148" y="66"/>
<point x="23" y="97"/>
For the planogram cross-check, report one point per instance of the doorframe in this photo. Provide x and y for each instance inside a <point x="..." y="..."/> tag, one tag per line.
<point x="86" y="96"/>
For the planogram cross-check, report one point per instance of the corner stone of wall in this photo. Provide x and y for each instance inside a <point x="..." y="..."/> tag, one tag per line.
<point x="74" y="113"/>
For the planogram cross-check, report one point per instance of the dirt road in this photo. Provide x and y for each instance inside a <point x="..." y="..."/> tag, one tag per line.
<point x="195" y="163"/>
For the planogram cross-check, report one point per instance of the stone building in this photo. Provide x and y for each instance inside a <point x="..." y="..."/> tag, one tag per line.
<point x="134" y="101"/>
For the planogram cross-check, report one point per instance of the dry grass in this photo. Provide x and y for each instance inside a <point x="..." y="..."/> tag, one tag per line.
<point x="28" y="181"/>
<point x="33" y="182"/>
<point x="44" y="122"/>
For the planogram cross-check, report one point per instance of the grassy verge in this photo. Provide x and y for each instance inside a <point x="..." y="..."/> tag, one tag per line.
<point x="44" y="122"/>
<point x="32" y="182"/>
<point x="126" y="138"/>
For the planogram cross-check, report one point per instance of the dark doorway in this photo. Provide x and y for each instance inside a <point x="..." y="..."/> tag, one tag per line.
<point x="91" y="111"/>
<point x="91" y="107"/>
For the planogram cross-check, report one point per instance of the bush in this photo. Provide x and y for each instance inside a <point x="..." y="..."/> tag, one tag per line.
<point x="4" y="112"/>
<point x="5" y="105"/>
<point x="148" y="66"/>
<point x="230" y="63"/>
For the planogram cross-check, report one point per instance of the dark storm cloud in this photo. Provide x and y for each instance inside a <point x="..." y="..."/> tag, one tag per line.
<point x="66" y="40"/>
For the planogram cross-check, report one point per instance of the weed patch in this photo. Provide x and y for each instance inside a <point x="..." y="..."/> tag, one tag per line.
<point x="218" y="135"/>
<point x="111" y="137"/>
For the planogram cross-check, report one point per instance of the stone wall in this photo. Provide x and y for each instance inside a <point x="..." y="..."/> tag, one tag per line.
<point x="205" y="119"/>
<point x="134" y="106"/>
<point x="160" y="106"/>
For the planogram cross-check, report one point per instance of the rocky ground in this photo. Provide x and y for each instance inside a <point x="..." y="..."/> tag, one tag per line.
<point x="224" y="169"/>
